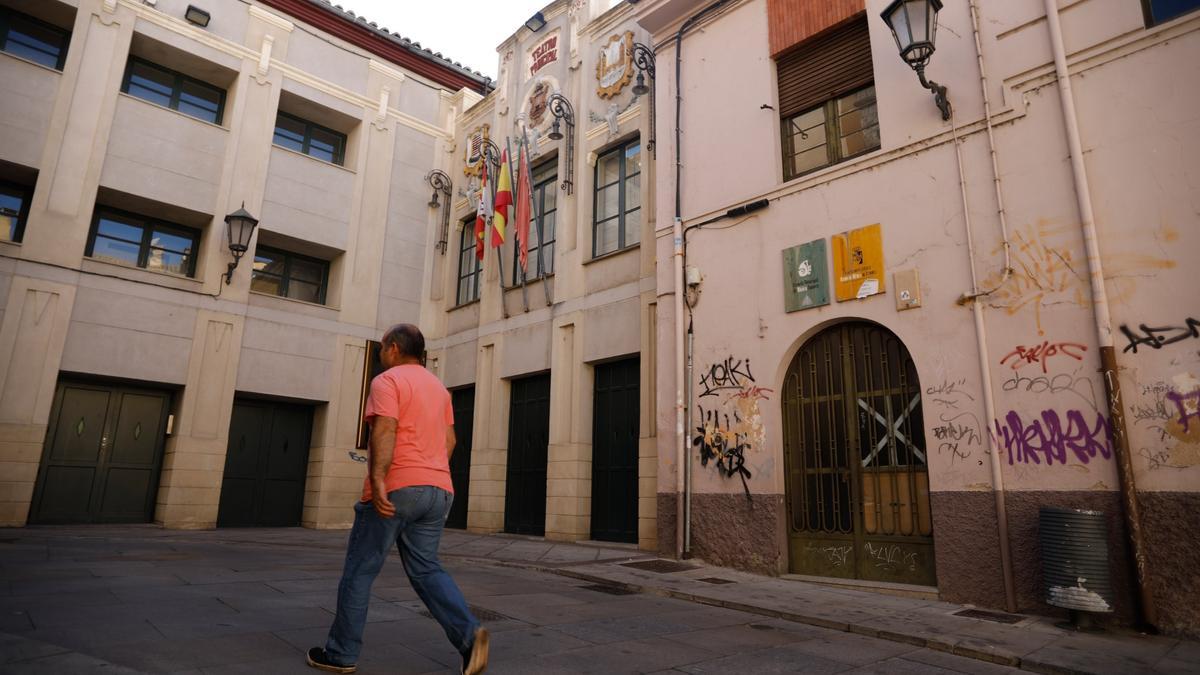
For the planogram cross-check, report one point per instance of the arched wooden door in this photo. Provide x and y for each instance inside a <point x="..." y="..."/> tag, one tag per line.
<point x="854" y="446"/>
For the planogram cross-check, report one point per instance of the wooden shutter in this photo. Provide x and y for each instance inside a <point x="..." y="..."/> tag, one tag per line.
<point x="825" y="67"/>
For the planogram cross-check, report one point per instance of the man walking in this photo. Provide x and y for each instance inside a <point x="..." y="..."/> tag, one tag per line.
<point x="406" y="498"/>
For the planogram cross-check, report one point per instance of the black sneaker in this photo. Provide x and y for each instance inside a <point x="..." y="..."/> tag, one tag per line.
<point x="317" y="658"/>
<point x="475" y="661"/>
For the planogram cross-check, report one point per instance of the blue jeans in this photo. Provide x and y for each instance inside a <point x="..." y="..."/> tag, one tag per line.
<point x="416" y="530"/>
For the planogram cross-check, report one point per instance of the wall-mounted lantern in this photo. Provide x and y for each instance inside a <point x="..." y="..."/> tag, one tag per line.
<point x="560" y="107"/>
<point x="914" y="25"/>
<point x="643" y="59"/>
<point x="239" y="228"/>
<point x="442" y="185"/>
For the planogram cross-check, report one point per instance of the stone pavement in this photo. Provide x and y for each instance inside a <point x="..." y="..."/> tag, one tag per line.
<point x="128" y="599"/>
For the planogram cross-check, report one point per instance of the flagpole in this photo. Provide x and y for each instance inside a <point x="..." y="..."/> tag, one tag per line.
<point x="516" y="254"/>
<point x="492" y="196"/>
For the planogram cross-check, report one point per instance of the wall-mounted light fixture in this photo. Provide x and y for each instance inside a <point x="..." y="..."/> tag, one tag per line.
<point x="197" y="16"/>
<point x="560" y="107"/>
<point x="441" y="184"/>
<point x="239" y="227"/>
<point x="536" y="22"/>
<point x="914" y="25"/>
<point x="643" y="59"/>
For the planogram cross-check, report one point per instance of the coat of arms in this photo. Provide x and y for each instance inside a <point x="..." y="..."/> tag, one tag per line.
<point x="614" y="67"/>
<point x="473" y="150"/>
<point x="538" y="100"/>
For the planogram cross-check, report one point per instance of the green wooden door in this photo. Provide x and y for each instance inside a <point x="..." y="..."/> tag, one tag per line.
<point x="266" y="464"/>
<point x="103" y="452"/>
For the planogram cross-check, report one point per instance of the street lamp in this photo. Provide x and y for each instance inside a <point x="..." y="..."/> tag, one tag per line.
<point x="643" y="59"/>
<point x="560" y="107"/>
<point x="536" y="22"/>
<point x="914" y="25"/>
<point x="239" y="227"/>
<point x="441" y="184"/>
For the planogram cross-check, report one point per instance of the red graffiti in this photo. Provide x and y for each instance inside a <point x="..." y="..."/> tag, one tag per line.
<point x="1188" y="405"/>
<point x="1042" y="353"/>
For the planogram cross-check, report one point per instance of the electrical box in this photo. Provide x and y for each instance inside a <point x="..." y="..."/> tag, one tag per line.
<point x="692" y="276"/>
<point x="908" y="289"/>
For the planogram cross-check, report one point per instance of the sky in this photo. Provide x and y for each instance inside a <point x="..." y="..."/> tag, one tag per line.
<point x="467" y="31"/>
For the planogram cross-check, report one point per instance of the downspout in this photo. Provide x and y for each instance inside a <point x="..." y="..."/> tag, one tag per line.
<point x="976" y="299"/>
<point x="1104" y="332"/>
<point x="683" y="494"/>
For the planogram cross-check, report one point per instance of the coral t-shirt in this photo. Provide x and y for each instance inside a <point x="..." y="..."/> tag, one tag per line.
<point x="420" y="404"/>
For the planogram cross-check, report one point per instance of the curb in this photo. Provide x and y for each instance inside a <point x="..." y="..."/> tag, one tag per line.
<point x="998" y="657"/>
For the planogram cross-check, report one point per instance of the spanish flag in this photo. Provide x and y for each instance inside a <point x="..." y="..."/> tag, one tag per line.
<point x="504" y="200"/>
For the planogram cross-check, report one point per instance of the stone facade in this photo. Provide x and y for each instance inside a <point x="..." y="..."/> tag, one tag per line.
<point x="76" y="141"/>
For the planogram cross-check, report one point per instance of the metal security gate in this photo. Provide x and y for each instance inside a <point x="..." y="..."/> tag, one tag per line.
<point x="101" y="460"/>
<point x="854" y="445"/>
<point x="266" y="465"/>
<point x="615" y="426"/>
<point x="463" y="402"/>
<point x="528" y="442"/>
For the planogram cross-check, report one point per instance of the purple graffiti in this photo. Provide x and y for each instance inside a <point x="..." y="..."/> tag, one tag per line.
<point x="1047" y="438"/>
<point x="1183" y="402"/>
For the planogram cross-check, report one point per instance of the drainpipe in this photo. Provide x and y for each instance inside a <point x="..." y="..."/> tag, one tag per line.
<point x="975" y="298"/>
<point x="683" y="495"/>
<point x="1104" y="332"/>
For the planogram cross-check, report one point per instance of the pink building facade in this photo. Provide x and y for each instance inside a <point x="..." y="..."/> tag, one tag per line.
<point x="895" y="363"/>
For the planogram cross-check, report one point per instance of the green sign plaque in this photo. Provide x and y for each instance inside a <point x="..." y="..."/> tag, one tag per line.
<point x="805" y="276"/>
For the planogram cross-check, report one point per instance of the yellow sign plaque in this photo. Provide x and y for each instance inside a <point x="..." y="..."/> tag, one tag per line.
<point x="858" y="263"/>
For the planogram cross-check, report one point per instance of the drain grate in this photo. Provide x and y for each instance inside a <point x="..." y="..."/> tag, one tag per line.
<point x="716" y="580"/>
<point x="611" y="590"/>
<point x="479" y="612"/>
<point x="661" y="566"/>
<point x="998" y="617"/>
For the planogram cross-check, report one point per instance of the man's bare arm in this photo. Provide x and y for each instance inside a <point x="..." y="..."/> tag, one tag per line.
<point x="451" y="442"/>
<point x="383" y="445"/>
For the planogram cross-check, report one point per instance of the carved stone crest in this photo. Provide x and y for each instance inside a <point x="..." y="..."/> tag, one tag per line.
<point x="614" y="67"/>
<point x="473" y="150"/>
<point x="539" y="98"/>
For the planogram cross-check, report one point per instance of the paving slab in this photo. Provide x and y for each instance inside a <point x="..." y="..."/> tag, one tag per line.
<point x="99" y="598"/>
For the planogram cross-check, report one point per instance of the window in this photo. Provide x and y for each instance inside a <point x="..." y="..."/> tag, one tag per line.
<point x="1160" y="11"/>
<point x="469" y="266"/>
<point x="827" y="103"/>
<point x="311" y="139"/>
<point x="289" y="275"/>
<point x="541" y="230"/>
<point x="617" y="208"/>
<point x="173" y="90"/>
<point x="37" y="41"/>
<point x="830" y="133"/>
<point x="14" y="209"/>
<point x="129" y="239"/>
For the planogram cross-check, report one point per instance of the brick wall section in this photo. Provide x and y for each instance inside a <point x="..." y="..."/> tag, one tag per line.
<point x="794" y="21"/>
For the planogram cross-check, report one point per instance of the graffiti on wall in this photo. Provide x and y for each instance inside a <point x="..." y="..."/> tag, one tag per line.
<point x="1157" y="338"/>
<point x="957" y="430"/>
<point x="1169" y="412"/>
<point x="731" y="424"/>
<point x="1075" y="387"/>
<point x="1055" y="438"/>
<point x="1041" y="354"/>
<point x="1049" y="268"/>
<point x="722" y="445"/>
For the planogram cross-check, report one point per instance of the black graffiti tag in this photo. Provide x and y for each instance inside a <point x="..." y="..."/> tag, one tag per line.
<point x="720" y="445"/>
<point x="729" y="374"/>
<point x="1157" y="338"/>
